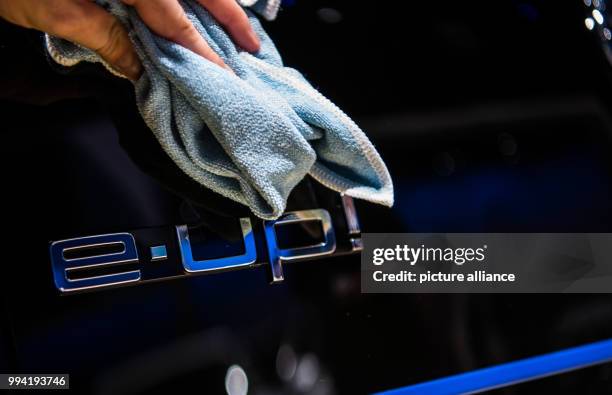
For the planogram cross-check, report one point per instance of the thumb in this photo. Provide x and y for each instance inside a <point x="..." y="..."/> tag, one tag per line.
<point x="94" y="28"/>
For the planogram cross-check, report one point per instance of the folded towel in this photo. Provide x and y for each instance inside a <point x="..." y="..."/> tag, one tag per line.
<point x="250" y="136"/>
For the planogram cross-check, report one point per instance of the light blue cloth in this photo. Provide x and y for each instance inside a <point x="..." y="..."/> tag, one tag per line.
<point x="250" y="136"/>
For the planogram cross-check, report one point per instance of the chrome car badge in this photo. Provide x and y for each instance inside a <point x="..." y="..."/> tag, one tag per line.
<point x="110" y="260"/>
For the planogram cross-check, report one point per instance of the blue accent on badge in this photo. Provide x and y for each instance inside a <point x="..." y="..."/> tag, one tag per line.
<point x="158" y="253"/>
<point x="88" y="259"/>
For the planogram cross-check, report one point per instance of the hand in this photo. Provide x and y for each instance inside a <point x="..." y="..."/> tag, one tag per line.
<point x="87" y="24"/>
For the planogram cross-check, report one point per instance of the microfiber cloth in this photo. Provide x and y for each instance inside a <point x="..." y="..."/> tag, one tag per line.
<point x="251" y="135"/>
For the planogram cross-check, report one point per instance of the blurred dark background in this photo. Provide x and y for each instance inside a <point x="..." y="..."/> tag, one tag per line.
<point x="492" y="117"/>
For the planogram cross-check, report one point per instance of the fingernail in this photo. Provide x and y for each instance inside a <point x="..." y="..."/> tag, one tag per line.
<point x="135" y="71"/>
<point x="255" y="44"/>
<point x="130" y="66"/>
